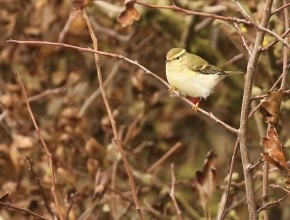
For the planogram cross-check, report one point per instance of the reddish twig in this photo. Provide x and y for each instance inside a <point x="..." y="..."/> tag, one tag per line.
<point x="111" y="117"/>
<point x="46" y="149"/>
<point x="118" y="56"/>
<point x="172" y="193"/>
<point x="164" y="157"/>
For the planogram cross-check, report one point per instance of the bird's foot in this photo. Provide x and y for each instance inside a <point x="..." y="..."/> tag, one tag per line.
<point x="195" y="101"/>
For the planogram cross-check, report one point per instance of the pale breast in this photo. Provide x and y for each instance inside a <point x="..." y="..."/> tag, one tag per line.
<point x="194" y="85"/>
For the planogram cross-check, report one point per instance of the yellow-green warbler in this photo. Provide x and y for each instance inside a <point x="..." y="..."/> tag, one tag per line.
<point x="191" y="75"/>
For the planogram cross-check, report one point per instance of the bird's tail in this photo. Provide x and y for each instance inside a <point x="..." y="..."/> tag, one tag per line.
<point x="234" y="72"/>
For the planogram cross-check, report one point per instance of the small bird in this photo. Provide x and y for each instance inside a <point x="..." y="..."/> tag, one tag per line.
<point x="191" y="75"/>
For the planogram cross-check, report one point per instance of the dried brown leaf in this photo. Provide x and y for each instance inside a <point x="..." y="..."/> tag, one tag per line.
<point x="101" y="183"/>
<point x="129" y="15"/>
<point x="273" y="150"/>
<point x="270" y="106"/>
<point x="206" y="180"/>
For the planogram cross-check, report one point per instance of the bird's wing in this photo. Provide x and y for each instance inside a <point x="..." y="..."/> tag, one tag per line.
<point x="204" y="67"/>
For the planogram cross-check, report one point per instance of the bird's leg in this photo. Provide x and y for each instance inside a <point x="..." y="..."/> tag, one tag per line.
<point x="195" y="101"/>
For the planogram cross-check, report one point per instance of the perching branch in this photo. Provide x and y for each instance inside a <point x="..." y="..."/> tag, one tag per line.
<point x="118" y="56"/>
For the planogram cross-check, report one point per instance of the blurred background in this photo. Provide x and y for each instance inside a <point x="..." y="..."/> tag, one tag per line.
<point x="65" y="99"/>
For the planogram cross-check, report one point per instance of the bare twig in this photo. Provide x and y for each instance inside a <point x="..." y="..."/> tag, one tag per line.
<point x="277" y="202"/>
<point x="164" y="157"/>
<point x="232" y="60"/>
<point x="227" y="190"/>
<point x="243" y="39"/>
<point x="47" y="151"/>
<point x="40" y="187"/>
<point x="118" y="56"/>
<point x="112" y="120"/>
<point x="265" y="189"/>
<point x="280" y="8"/>
<point x="248" y="19"/>
<point x="172" y="192"/>
<point x="243" y="132"/>
<point x="285" y="49"/>
<point x="189" y="12"/>
<point x="275" y="41"/>
<point x="27" y="211"/>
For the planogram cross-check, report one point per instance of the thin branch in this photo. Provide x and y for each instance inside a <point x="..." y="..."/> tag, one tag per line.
<point x="244" y="13"/>
<point x="243" y="132"/>
<point x="275" y="41"/>
<point x="243" y="39"/>
<point x="189" y="12"/>
<point x="248" y="21"/>
<point x="111" y="118"/>
<point x="265" y="189"/>
<point x="164" y="157"/>
<point x="172" y="192"/>
<point x="277" y="202"/>
<point x="285" y="49"/>
<point x="280" y="8"/>
<point x="227" y="190"/>
<point x="26" y="211"/>
<point x="118" y="56"/>
<point x="47" y="151"/>
<point x="259" y="97"/>
<point x="40" y="187"/>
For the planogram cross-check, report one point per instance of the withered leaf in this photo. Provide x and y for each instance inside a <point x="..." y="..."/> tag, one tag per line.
<point x="273" y="150"/>
<point x="270" y="106"/>
<point x="206" y="180"/>
<point x="101" y="183"/>
<point x="129" y="15"/>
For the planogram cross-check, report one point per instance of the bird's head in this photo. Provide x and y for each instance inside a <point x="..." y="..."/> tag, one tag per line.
<point x="175" y="54"/>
